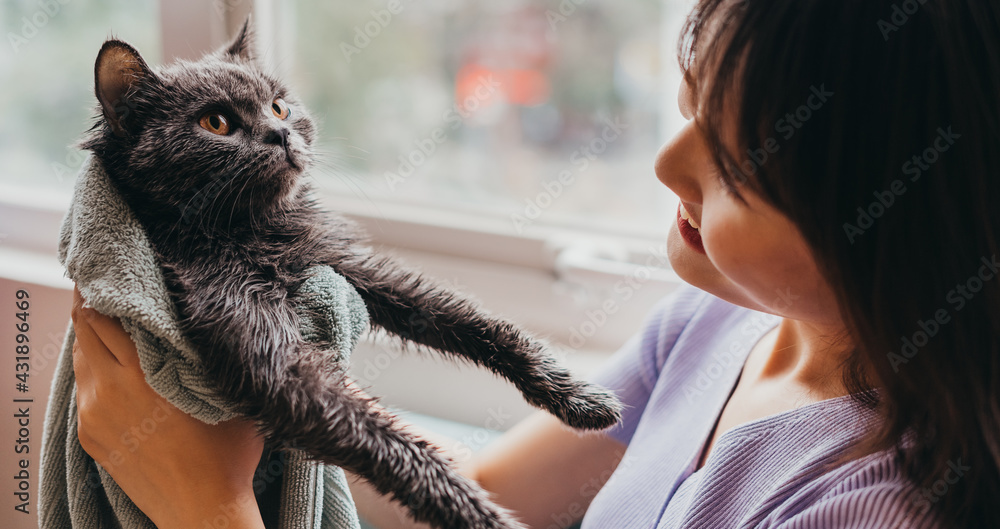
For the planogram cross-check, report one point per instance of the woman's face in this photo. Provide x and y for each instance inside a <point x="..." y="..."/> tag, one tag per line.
<point x="749" y="254"/>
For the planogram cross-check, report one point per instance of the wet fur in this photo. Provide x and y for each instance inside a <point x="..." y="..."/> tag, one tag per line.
<point x="235" y="231"/>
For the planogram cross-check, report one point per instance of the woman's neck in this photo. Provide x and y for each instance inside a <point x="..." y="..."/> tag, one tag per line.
<point x="803" y="354"/>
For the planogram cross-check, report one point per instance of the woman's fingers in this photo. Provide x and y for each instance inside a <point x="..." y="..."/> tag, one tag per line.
<point x="109" y="330"/>
<point x="86" y="396"/>
<point x="97" y="354"/>
<point x="81" y="369"/>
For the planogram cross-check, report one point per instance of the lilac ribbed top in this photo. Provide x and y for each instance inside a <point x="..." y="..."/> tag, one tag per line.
<point x="675" y="378"/>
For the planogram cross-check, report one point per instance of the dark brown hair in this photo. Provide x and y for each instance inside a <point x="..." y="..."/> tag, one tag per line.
<point x="875" y="126"/>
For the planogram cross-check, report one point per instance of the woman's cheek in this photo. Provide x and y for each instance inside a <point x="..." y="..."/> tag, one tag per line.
<point x="737" y="251"/>
<point x="724" y="238"/>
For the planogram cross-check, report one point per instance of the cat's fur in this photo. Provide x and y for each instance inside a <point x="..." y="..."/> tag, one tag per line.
<point x="231" y="222"/>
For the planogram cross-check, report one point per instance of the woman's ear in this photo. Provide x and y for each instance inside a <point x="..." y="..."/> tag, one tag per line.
<point x="118" y="71"/>
<point x="242" y="47"/>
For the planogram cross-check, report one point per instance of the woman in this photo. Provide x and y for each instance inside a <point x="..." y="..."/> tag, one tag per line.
<point x="837" y="365"/>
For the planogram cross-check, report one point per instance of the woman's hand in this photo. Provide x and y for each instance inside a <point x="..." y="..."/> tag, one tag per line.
<point x="178" y="470"/>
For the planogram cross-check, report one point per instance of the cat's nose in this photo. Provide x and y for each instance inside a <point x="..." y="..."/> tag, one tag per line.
<point x="277" y="137"/>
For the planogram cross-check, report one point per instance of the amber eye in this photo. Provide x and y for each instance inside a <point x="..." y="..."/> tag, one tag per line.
<point x="215" y="123"/>
<point x="279" y="108"/>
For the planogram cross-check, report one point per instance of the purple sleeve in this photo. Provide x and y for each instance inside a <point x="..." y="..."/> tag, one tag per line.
<point x="632" y="371"/>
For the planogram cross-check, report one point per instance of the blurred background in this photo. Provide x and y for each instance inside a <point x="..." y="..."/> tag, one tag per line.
<point x="505" y="148"/>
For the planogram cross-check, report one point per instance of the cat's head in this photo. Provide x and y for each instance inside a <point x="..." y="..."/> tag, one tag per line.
<point x="214" y="136"/>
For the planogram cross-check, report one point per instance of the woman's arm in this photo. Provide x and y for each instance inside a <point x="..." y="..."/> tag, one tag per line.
<point x="543" y="471"/>
<point x="184" y="472"/>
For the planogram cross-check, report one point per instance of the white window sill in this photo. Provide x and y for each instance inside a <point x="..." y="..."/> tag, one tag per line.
<point x="567" y="287"/>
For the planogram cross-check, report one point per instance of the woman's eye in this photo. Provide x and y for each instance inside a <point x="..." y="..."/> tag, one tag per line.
<point x="215" y="122"/>
<point x="279" y="108"/>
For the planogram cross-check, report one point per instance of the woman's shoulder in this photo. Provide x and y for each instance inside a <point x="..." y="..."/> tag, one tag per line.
<point x="693" y="320"/>
<point x="798" y="474"/>
<point x="871" y="491"/>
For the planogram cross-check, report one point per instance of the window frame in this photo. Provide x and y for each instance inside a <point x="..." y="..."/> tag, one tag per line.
<point x="573" y="259"/>
<point x="555" y="281"/>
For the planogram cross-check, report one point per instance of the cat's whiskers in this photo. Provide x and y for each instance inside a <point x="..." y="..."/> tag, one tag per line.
<point x="185" y="214"/>
<point x="329" y="160"/>
<point x="220" y="199"/>
<point x="207" y="211"/>
<point x="253" y="218"/>
<point x="349" y="176"/>
<point x="236" y="200"/>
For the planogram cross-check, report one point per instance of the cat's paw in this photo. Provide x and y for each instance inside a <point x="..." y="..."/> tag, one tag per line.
<point x="588" y="407"/>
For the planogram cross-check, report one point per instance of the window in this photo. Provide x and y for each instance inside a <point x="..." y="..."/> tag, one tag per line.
<point x="537" y="113"/>
<point x="503" y="147"/>
<point x="47" y="70"/>
<point x="504" y="144"/>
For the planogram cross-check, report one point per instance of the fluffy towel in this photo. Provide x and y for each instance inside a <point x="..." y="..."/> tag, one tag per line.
<point x="106" y="253"/>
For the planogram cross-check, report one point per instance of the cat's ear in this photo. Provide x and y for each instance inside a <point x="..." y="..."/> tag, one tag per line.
<point x="118" y="71"/>
<point x="242" y="47"/>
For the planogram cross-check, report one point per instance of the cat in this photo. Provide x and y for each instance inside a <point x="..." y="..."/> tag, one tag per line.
<point x="222" y="129"/>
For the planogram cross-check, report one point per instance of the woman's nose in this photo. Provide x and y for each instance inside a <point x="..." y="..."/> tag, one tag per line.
<point x="682" y="162"/>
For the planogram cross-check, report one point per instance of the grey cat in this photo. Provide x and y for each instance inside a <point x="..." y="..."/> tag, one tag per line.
<point x="222" y="127"/>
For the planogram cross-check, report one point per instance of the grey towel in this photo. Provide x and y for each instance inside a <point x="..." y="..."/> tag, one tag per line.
<point x="107" y="254"/>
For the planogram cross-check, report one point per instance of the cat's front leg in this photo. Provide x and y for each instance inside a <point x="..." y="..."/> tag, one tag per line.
<point x="254" y="353"/>
<point x="413" y="308"/>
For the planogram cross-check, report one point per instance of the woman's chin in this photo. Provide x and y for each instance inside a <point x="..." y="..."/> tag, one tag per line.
<point x="689" y="264"/>
<point x="698" y="270"/>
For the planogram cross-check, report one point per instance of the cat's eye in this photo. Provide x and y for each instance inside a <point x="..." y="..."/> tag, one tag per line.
<point x="215" y="122"/>
<point x="279" y="108"/>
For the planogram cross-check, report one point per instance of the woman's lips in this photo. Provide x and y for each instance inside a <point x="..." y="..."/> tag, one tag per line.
<point x="689" y="233"/>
